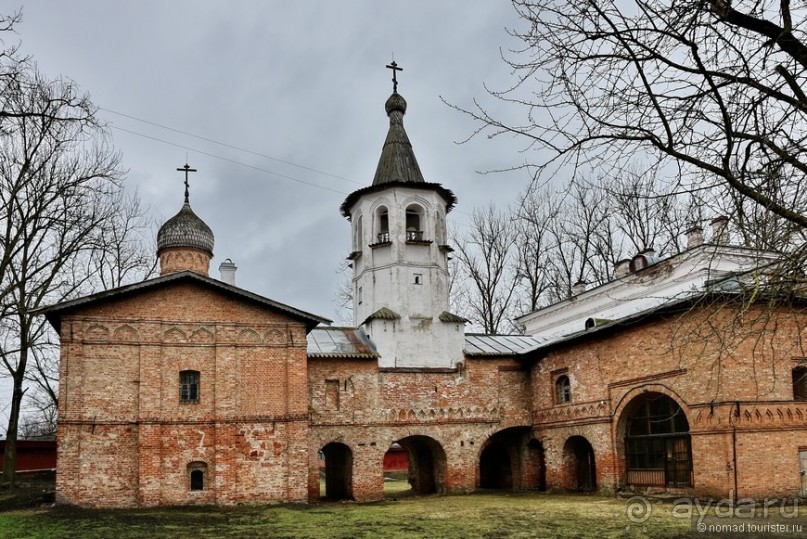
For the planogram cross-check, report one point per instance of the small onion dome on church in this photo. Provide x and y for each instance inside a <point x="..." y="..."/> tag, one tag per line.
<point x="185" y="229"/>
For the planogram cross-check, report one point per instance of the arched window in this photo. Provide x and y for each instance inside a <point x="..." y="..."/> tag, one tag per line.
<point x="196" y="475"/>
<point x="657" y="443"/>
<point x="563" y="390"/>
<point x="382" y="225"/>
<point x="189" y="387"/>
<point x="414" y="223"/>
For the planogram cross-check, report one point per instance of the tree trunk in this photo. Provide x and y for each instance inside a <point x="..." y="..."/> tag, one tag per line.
<point x="10" y="456"/>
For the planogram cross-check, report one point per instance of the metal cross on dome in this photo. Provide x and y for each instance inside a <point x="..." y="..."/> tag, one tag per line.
<point x="186" y="169"/>
<point x="394" y="67"/>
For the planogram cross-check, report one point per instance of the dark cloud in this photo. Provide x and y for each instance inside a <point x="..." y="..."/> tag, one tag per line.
<point x="300" y="81"/>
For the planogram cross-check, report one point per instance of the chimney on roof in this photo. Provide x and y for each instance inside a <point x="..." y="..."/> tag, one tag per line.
<point x="694" y="236"/>
<point x="578" y="288"/>
<point x="720" y="230"/>
<point x="622" y="268"/>
<point x="227" y="270"/>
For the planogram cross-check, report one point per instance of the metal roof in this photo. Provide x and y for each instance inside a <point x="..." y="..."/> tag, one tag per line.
<point x="53" y="312"/>
<point x="498" y="345"/>
<point x="339" y="342"/>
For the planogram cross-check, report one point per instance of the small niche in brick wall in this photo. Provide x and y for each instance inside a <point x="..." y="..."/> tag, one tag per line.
<point x="331" y="394"/>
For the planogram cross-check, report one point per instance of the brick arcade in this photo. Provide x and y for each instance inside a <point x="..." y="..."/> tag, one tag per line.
<point x="184" y="389"/>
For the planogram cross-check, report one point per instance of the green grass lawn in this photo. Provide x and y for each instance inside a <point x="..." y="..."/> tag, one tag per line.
<point x="484" y="515"/>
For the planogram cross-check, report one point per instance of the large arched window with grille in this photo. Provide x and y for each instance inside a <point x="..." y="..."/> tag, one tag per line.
<point x="657" y="443"/>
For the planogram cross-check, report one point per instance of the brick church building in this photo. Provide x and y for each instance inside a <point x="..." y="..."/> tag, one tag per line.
<point x="186" y="389"/>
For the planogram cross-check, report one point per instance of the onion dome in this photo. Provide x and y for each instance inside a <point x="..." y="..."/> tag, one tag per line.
<point x="185" y="229"/>
<point x="397" y="162"/>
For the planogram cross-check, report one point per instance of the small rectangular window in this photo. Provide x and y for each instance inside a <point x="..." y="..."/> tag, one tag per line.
<point x="189" y="387"/>
<point x="563" y="390"/>
<point x="418" y="278"/>
<point x="800" y="384"/>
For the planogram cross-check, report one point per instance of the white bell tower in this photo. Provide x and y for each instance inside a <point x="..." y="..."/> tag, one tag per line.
<point x="400" y="258"/>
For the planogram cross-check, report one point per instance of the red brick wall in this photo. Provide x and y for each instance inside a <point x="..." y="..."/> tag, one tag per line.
<point x="125" y="438"/>
<point x="704" y="361"/>
<point x="459" y="411"/>
<point x="265" y="410"/>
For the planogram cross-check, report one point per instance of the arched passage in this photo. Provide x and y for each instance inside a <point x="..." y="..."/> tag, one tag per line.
<point x="495" y="467"/>
<point x="338" y="471"/>
<point x="427" y="464"/>
<point x="657" y="449"/>
<point x="579" y="464"/>
<point x="511" y="459"/>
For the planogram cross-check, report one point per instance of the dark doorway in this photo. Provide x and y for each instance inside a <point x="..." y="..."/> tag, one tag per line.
<point x="511" y="459"/>
<point x="495" y="468"/>
<point x="580" y="464"/>
<point x="338" y="471"/>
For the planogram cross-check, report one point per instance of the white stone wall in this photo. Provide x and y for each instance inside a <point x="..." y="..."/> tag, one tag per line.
<point x="409" y="278"/>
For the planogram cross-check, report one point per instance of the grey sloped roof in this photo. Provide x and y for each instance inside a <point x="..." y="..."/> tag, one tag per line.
<point x="54" y="312"/>
<point x="446" y="316"/>
<point x="185" y="229"/>
<point x="339" y="342"/>
<point x="384" y="313"/>
<point x="498" y="345"/>
<point x="397" y="161"/>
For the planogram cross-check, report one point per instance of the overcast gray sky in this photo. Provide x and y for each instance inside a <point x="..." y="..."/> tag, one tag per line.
<point x="300" y="81"/>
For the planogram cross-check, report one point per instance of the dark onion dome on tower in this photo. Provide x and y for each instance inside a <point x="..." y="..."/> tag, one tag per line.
<point x="397" y="166"/>
<point x="397" y="162"/>
<point x="185" y="229"/>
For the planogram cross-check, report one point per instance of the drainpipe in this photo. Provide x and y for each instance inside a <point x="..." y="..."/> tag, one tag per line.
<point x="734" y="447"/>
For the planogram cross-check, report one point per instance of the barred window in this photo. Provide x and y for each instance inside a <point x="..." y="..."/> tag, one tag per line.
<point x="563" y="390"/>
<point x="189" y="386"/>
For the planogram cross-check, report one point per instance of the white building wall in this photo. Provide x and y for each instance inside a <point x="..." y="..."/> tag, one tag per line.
<point x="409" y="278"/>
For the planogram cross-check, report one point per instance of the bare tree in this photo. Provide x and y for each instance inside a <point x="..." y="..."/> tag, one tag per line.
<point x="485" y="261"/>
<point x="343" y="295"/>
<point x="581" y="237"/>
<point x="647" y="215"/>
<point x="60" y="188"/>
<point x="707" y="92"/>
<point x="534" y="216"/>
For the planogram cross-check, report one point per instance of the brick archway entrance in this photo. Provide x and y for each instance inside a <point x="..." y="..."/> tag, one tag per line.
<point x="579" y="464"/>
<point x="427" y="464"/>
<point x="338" y="471"/>
<point x="511" y="459"/>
